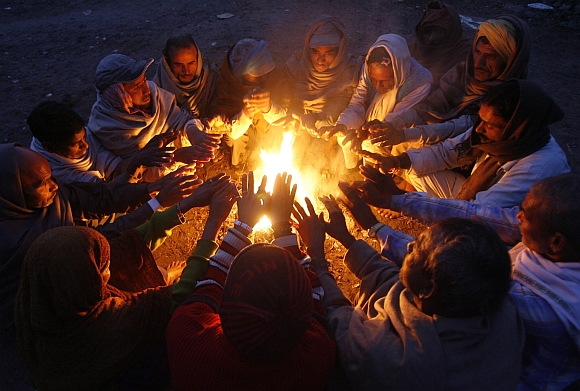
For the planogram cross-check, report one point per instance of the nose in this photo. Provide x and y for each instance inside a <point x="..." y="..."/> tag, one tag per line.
<point x="53" y="185"/>
<point x="84" y="144"/>
<point x="479" y="61"/>
<point x="480" y="128"/>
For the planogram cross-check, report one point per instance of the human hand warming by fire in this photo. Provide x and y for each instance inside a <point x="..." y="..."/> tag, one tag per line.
<point x="199" y="137"/>
<point x="250" y="206"/>
<point x="219" y="124"/>
<point x="154" y="154"/>
<point x="383" y="182"/>
<point x="336" y="226"/>
<point x="360" y="210"/>
<point x="279" y="206"/>
<point x="203" y="194"/>
<point x="221" y="203"/>
<point x="176" y="189"/>
<point x="195" y="153"/>
<point x="311" y="228"/>
<point x="326" y="132"/>
<point x="257" y="100"/>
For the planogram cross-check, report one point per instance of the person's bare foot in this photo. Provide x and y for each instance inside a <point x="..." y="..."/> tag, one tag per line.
<point x="174" y="270"/>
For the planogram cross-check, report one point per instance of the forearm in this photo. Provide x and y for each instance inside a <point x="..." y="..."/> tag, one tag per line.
<point x="159" y="227"/>
<point x="434" y="133"/>
<point x="432" y="209"/>
<point x="197" y="266"/>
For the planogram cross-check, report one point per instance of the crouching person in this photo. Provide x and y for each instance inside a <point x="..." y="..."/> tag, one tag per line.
<point x="442" y="322"/>
<point x="255" y="321"/>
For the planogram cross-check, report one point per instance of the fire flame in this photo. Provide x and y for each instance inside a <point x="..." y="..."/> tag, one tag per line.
<point x="277" y="163"/>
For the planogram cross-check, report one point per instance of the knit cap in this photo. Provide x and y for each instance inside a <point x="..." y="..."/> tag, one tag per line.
<point x="267" y="302"/>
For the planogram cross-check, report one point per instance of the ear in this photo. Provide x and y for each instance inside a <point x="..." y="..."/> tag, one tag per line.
<point x="427" y="290"/>
<point x="558" y="243"/>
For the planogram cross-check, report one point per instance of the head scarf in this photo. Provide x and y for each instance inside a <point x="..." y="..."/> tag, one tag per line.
<point x="267" y="302"/>
<point x="467" y="96"/>
<point x="316" y="87"/>
<point x="195" y="95"/>
<point x="526" y="132"/>
<point x="396" y="46"/>
<point x="85" y="334"/>
<point x="21" y="226"/>
<point x="252" y="57"/>
<point x="120" y="99"/>
<point x="445" y="55"/>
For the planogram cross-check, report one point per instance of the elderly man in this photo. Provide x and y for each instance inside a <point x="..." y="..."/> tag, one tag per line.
<point x="130" y="111"/>
<point x="391" y="83"/>
<point x="546" y="273"/>
<point x="500" y="52"/>
<point x="183" y="72"/>
<point x="441" y="322"/>
<point x="77" y="156"/>
<point x="248" y="89"/>
<point x="323" y="76"/>
<point x="508" y="149"/>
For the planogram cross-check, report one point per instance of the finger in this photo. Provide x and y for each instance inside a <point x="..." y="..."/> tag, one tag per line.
<point x="299" y="211"/>
<point x="250" y="188"/>
<point x="262" y="187"/>
<point x="244" y="183"/>
<point x="310" y="207"/>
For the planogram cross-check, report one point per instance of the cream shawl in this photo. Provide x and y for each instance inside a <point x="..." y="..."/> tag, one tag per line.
<point x="124" y="134"/>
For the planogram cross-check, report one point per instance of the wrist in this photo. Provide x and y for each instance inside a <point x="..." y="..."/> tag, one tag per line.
<point x="243" y="227"/>
<point x="315" y="252"/>
<point x="404" y="160"/>
<point x="347" y="241"/>
<point x="372" y="231"/>
<point x="211" y="229"/>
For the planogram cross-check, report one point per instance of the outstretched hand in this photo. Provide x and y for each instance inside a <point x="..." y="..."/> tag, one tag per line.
<point x="177" y="189"/>
<point x="382" y="181"/>
<point x="359" y="209"/>
<point x="220" y="207"/>
<point x="280" y="204"/>
<point x="388" y="136"/>
<point x="250" y="206"/>
<point x="387" y="164"/>
<point x="326" y="132"/>
<point x="204" y="193"/>
<point x="311" y="228"/>
<point x="155" y="153"/>
<point x="336" y="227"/>
<point x="200" y="138"/>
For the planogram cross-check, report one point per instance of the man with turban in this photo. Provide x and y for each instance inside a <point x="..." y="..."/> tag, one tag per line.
<point x="249" y="89"/>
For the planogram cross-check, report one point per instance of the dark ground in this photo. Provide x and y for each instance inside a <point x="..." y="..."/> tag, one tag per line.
<point x="50" y="49"/>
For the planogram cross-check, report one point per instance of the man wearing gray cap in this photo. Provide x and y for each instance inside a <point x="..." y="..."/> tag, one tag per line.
<point x="248" y="77"/>
<point x="130" y="111"/>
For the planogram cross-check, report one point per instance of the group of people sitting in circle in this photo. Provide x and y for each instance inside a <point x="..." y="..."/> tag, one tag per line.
<point x="449" y="131"/>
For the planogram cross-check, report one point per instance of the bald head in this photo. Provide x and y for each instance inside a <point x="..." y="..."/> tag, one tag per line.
<point x="38" y="187"/>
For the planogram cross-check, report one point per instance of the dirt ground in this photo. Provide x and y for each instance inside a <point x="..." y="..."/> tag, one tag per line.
<point x="50" y="49"/>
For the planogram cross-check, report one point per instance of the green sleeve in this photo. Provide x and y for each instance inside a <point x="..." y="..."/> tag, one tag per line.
<point x="159" y="227"/>
<point x="197" y="265"/>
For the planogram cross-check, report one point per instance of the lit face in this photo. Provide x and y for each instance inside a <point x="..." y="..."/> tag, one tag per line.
<point x="434" y="35"/>
<point x="492" y="125"/>
<point x="533" y="236"/>
<point x="139" y="92"/>
<point x="322" y="57"/>
<point x="38" y="186"/>
<point x="76" y="148"/>
<point x="183" y="64"/>
<point x="487" y="63"/>
<point x="382" y="78"/>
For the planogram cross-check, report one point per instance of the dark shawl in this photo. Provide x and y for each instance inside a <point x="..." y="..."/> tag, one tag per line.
<point x="440" y="58"/>
<point x="460" y="93"/>
<point x="230" y="91"/>
<point x="74" y="331"/>
<point x="311" y="88"/>
<point x="526" y="132"/>
<point x="20" y="227"/>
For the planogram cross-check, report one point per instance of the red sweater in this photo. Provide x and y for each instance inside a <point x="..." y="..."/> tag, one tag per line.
<point x="201" y="357"/>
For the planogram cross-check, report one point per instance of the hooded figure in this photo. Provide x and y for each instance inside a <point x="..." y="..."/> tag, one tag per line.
<point x="410" y="84"/>
<point x="439" y="44"/>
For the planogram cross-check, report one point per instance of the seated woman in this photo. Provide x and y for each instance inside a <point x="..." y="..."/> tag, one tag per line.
<point x="255" y="322"/>
<point x="87" y="334"/>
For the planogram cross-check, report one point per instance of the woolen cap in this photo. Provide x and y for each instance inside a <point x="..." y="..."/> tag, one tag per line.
<point x="118" y="68"/>
<point x="267" y="302"/>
